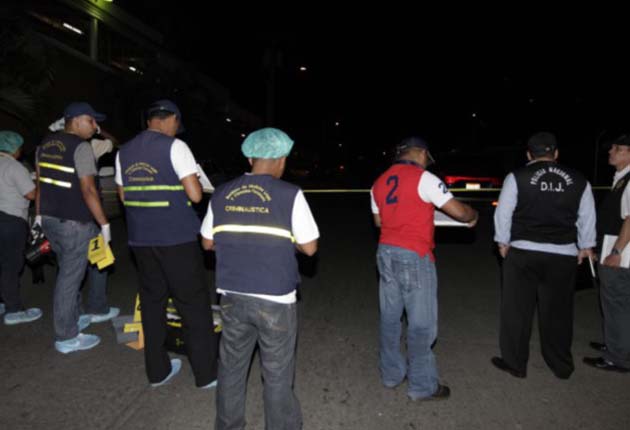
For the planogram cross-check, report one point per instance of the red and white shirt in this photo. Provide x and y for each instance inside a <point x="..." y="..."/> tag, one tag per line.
<point x="404" y="197"/>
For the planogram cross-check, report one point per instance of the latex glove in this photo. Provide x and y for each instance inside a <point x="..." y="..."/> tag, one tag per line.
<point x="101" y="147"/>
<point x="106" y="232"/>
<point x="57" y="125"/>
<point x="36" y="228"/>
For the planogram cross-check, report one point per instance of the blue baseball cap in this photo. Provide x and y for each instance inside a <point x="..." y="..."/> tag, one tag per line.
<point x="414" y="142"/>
<point x="10" y="141"/>
<point x="81" y="108"/>
<point x="267" y="143"/>
<point x="166" y="106"/>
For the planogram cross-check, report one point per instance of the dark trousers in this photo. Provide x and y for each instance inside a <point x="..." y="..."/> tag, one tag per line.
<point x="546" y="279"/>
<point x="615" y="297"/>
<point x="176" y="271"/>
<point x="13" y="232"/>
<point x="247" y="322"/>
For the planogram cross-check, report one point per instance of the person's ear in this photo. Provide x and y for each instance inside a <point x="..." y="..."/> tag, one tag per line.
<point x="529" y="156"/>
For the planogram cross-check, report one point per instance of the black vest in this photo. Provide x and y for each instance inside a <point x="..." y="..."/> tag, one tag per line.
<point x="252" y="231"/>
<point x="609" y="219"/>
<point x="60" y="189"/>
<point x="548" y="201"/>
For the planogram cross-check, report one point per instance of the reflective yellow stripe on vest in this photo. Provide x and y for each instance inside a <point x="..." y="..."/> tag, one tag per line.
<point x="56" y="182"/>
<point x="137" y="204"/>
<point x="57" y="167"/>
<point x="151" y="204"/>
<point x="154" y="188"/>
<point x="236" y="228"/>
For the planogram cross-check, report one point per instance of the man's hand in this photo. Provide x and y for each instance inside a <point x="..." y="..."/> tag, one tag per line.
<point x="612" y="260"/>
<point x="106" y="231"/>
<point x="503" y="249"/>
<point x="586" y="253"/>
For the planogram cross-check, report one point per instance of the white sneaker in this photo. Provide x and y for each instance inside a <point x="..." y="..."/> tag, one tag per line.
<point x="176" y="365"/>
<point x="97" y="318"/>
<point x="28" y="315"/>
<point x="79" y="343"/>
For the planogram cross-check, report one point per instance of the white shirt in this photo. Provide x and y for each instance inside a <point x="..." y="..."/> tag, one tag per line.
<point x="182" y="159"/>
<point x="430" y="189"/>
<point x="625" y="197"/>
<point x="303" y="228"/>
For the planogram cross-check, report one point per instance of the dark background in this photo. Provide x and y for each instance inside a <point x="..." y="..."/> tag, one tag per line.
<point x="474" y="86"/>
<point x="474" y="83"/>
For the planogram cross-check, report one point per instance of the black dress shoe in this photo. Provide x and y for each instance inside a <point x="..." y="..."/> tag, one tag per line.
<point x="603" y="364"/>
<point x="502" y="365"/>
<point x="597" y="346"/>
<point x="442" y="393"/>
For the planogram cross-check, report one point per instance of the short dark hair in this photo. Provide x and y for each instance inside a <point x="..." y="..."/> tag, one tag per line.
<point x="159" y="114"/>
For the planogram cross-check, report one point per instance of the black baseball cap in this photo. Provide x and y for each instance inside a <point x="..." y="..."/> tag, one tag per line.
<point x="414" y="142"/>
<point x="542" y="143"/>
<point x="166" y="106"/>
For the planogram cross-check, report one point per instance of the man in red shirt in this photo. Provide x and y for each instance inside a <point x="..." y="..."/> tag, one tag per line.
<point x="403" y="203"/>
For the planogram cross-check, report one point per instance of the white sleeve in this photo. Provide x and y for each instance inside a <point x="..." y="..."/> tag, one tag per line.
<point x="182" y="159"/>
<point x="373" y="202"/>
<point x="625" y="202"/>
<point x="303" y="224"/>
<point x="432" y="190"/>
<point x="118" y="177"/>
<point x="207" y="224"/>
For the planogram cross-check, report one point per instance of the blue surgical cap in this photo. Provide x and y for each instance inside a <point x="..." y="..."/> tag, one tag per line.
<point x="10" y="141"/>
<point x="267" y="143"/>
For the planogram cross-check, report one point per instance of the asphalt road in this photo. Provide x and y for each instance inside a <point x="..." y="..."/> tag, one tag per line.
<point x="337" y="378"/>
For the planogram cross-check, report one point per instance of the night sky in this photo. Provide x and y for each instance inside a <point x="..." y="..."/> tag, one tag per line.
<point x="471" y="89"/>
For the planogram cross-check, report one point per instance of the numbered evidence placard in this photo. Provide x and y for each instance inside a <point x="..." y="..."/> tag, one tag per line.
<point x="100" y="253"/>
<point x="443" y="220"/>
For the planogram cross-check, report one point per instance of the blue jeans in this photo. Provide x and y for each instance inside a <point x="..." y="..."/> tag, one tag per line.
<point x="70" y="241"/>
<point x="407" y="283"/>
<point x="248" y="321"/>
<point x="97" y="292"/>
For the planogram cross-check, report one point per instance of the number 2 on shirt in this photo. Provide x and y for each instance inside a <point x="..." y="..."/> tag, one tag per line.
<point x="391" y="197"/>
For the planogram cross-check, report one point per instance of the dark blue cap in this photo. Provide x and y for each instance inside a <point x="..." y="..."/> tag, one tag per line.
<point x="541" y="144"/>
<point x="166" y="106"/>
<point x="414" y="142"/>
<point x="82" y="108"/>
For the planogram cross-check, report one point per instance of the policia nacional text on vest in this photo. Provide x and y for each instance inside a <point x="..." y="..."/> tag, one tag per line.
<point x="60" y="194"/>
<point x="548" y="201"/>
